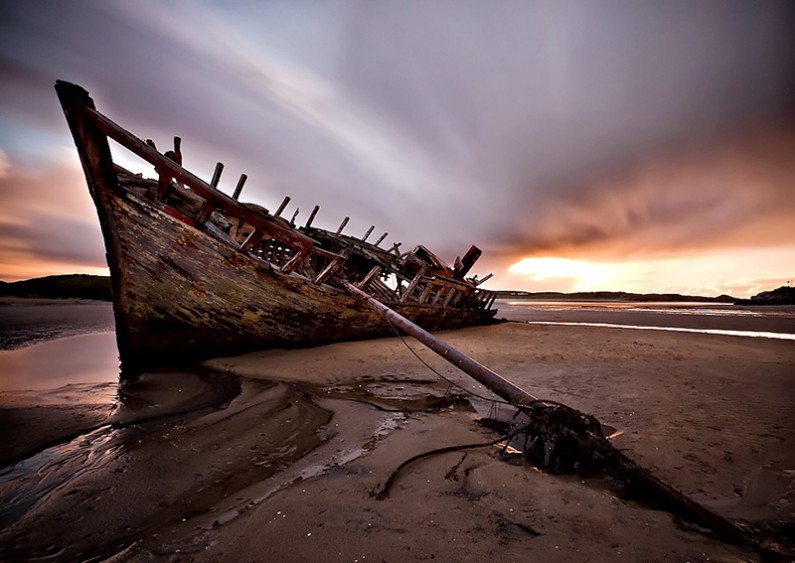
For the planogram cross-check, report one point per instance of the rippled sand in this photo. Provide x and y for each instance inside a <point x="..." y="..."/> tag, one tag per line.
<point x="282" y="464"/>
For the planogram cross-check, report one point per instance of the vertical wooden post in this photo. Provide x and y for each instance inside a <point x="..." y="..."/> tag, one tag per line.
<point x="449" y="298"/>
<point x="330" y="269"/>
<point x="411" y="287"/>
<point x="285" y="201"/>
<point x="380" y="239"/>
<point x="239" y="187"/>
<point x="425" y="293"/>
<point x="367" y="234"/>
<point x="178" y="150"/>
<point x="464" y="265"/>
<point x="254" y="237"/>
<point x="294" y="262"/>
<point x="342" y="225"/>
<point x="204" y="213"/>
<point x="217" y="174"/>
<point x="369" y="277"/>
<point x="312" y="216"/>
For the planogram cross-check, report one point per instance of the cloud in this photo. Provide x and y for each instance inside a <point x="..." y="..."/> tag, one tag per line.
<point x="5" y="164"/>
<point x="725" y="193"/>
<point x="528" y="127"/>
<point x="47" y="222"/>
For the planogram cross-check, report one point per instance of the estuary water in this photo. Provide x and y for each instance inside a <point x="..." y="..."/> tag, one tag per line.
<point x="49" y="345"/>
<point x="85" y="358"/>
<point x="707" y="318"/>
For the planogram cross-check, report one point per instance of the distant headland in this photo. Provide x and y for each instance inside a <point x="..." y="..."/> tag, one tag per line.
<point x="84" y="286"/>
<point x="784" y="295"/>
<point x="65" y="286"/>
<point x="612" y="296"/>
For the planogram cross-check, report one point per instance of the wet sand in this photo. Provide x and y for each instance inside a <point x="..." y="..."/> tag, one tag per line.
<point x="285" y="467"/>
<point x="25" y="321"/>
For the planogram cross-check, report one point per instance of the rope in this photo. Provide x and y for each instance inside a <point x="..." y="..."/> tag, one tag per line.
<point x="439" y="374"/>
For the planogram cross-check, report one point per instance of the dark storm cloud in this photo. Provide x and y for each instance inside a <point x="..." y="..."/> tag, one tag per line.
<point x="447" y="123"/>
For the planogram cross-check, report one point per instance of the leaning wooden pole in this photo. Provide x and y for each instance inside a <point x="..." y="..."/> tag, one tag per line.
<point x="496" y="383"/>
<point x="637" y="481"/>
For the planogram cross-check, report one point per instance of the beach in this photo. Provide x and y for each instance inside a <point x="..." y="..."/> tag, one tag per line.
<point x="279" y="455"/>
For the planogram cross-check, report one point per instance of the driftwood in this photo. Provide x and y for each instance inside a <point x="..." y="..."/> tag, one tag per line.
<point x="561" y="440"/>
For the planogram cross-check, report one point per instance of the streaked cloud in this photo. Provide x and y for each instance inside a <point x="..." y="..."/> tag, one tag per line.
<point x="722" y="193"/>
<point x="47" y="222"/>
<point x="600" y="131"/>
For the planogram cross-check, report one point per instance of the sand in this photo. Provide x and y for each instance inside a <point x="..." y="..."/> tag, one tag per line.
<point x="283" y="463"/>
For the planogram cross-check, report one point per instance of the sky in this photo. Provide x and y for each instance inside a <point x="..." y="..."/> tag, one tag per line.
<point x="584" y="145"/>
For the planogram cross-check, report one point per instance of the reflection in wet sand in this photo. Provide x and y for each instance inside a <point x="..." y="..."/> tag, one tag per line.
<point x="746" y="333"/>
<point x="87" y="358"/>
<point x="168" y="421"/>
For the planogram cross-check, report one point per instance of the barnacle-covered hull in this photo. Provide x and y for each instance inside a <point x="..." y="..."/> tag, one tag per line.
<point x="196" y="274"/>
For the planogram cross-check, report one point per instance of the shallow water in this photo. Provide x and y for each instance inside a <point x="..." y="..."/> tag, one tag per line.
<point x="26" y="482"/>
<point x="707" y="318"/>
<point x="749" y="333"/>
<point x="26" y="321"/>
<point x="87" y="358"/>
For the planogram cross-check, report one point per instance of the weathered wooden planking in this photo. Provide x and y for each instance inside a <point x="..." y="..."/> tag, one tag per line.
<point x="190" y="296"/>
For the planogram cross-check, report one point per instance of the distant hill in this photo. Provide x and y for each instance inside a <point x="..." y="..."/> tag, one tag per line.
<point x="67" y="286"/>
<point x="612" y="296"/>
<point x="784" y="295"/>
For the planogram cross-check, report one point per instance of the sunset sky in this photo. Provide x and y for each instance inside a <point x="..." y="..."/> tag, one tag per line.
<point x="584" y="145"/>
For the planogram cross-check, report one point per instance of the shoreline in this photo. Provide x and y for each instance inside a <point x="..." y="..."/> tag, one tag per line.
<point x="709" y="414"/>
<point x="26" y="321"/>
<point x="696" y="316"/>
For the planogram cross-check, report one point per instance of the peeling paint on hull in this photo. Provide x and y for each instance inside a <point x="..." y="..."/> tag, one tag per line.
<point x="197" y="274"/>
<point x="190" y="296"/>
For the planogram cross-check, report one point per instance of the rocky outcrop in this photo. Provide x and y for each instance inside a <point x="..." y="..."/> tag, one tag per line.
<point x="784" y="295"/>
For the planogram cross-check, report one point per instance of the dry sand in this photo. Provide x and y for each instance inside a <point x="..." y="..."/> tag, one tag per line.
<point x="285" y="470"/>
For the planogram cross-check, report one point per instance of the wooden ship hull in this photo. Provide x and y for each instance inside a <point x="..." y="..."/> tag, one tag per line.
<point x="196" y="274"/>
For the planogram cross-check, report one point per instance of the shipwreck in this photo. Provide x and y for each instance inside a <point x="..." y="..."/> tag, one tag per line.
<point x="196" y="273"/>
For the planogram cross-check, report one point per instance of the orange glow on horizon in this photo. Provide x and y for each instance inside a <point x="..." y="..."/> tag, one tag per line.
<point x="740" y="272"/>
<point x="585" y="273"/>
<point x="24" y="271"/>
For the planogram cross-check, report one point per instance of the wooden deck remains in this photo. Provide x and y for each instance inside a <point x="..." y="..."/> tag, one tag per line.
<point x="196" y="273"/>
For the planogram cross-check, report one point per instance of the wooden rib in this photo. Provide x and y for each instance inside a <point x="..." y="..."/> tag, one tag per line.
<point x="411" y="287"/>
<point x="219" y="167"/>
<point x="284" y="203"/>
<point x="312" y="216"/>
<point x="294" y="262"/>
<point x="369" y="277"/>
<point x="239" y="187"/>
<point x="202" y="188"/>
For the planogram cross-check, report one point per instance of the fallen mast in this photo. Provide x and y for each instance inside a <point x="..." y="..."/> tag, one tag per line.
<point x="492" y="380"/>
